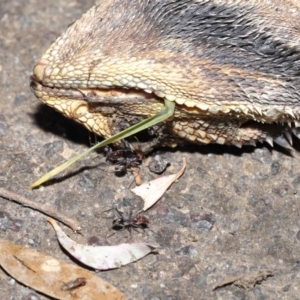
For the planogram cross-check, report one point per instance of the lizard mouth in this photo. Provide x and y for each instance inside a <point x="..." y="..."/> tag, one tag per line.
<point x="97" y="109"/>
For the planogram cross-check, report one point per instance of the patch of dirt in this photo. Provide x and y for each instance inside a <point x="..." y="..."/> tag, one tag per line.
<point x="233" y="212"/>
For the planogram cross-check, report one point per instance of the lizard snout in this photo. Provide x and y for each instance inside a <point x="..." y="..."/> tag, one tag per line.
<point x="41" y="70"/>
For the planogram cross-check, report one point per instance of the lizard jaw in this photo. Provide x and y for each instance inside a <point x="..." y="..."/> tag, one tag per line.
<point x="84" y="106"/>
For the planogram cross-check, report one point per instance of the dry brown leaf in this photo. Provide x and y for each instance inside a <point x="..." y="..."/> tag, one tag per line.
<point x="153" y="190"/>
<point x="48" y="275"/>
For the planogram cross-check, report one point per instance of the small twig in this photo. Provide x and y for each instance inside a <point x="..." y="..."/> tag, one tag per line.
<point x="247" y="281"/>
<point x="137" y="175"/>
<point x="41" y="208"/>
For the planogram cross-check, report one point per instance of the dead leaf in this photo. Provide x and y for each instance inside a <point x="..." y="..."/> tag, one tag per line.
<point x="48" y="275"/>
<point x="153" y="190"/>
<point x="102" y="257"/>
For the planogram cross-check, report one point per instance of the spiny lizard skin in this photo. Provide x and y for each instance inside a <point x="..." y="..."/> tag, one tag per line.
<point x="231" y="66"/>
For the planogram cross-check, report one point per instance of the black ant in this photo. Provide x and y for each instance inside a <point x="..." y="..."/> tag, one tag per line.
<point x="124" y="159"/>
<point x="129" y="222"/>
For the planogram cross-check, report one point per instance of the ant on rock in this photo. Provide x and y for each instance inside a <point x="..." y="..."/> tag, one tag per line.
<point x="124" y="159"/>
<point x="127" y="221"/>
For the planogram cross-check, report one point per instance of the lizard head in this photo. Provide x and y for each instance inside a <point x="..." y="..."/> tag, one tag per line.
<point x="230" y="68"/>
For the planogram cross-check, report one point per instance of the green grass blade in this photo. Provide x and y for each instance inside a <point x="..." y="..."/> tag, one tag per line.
<point x="165" y="113"/>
